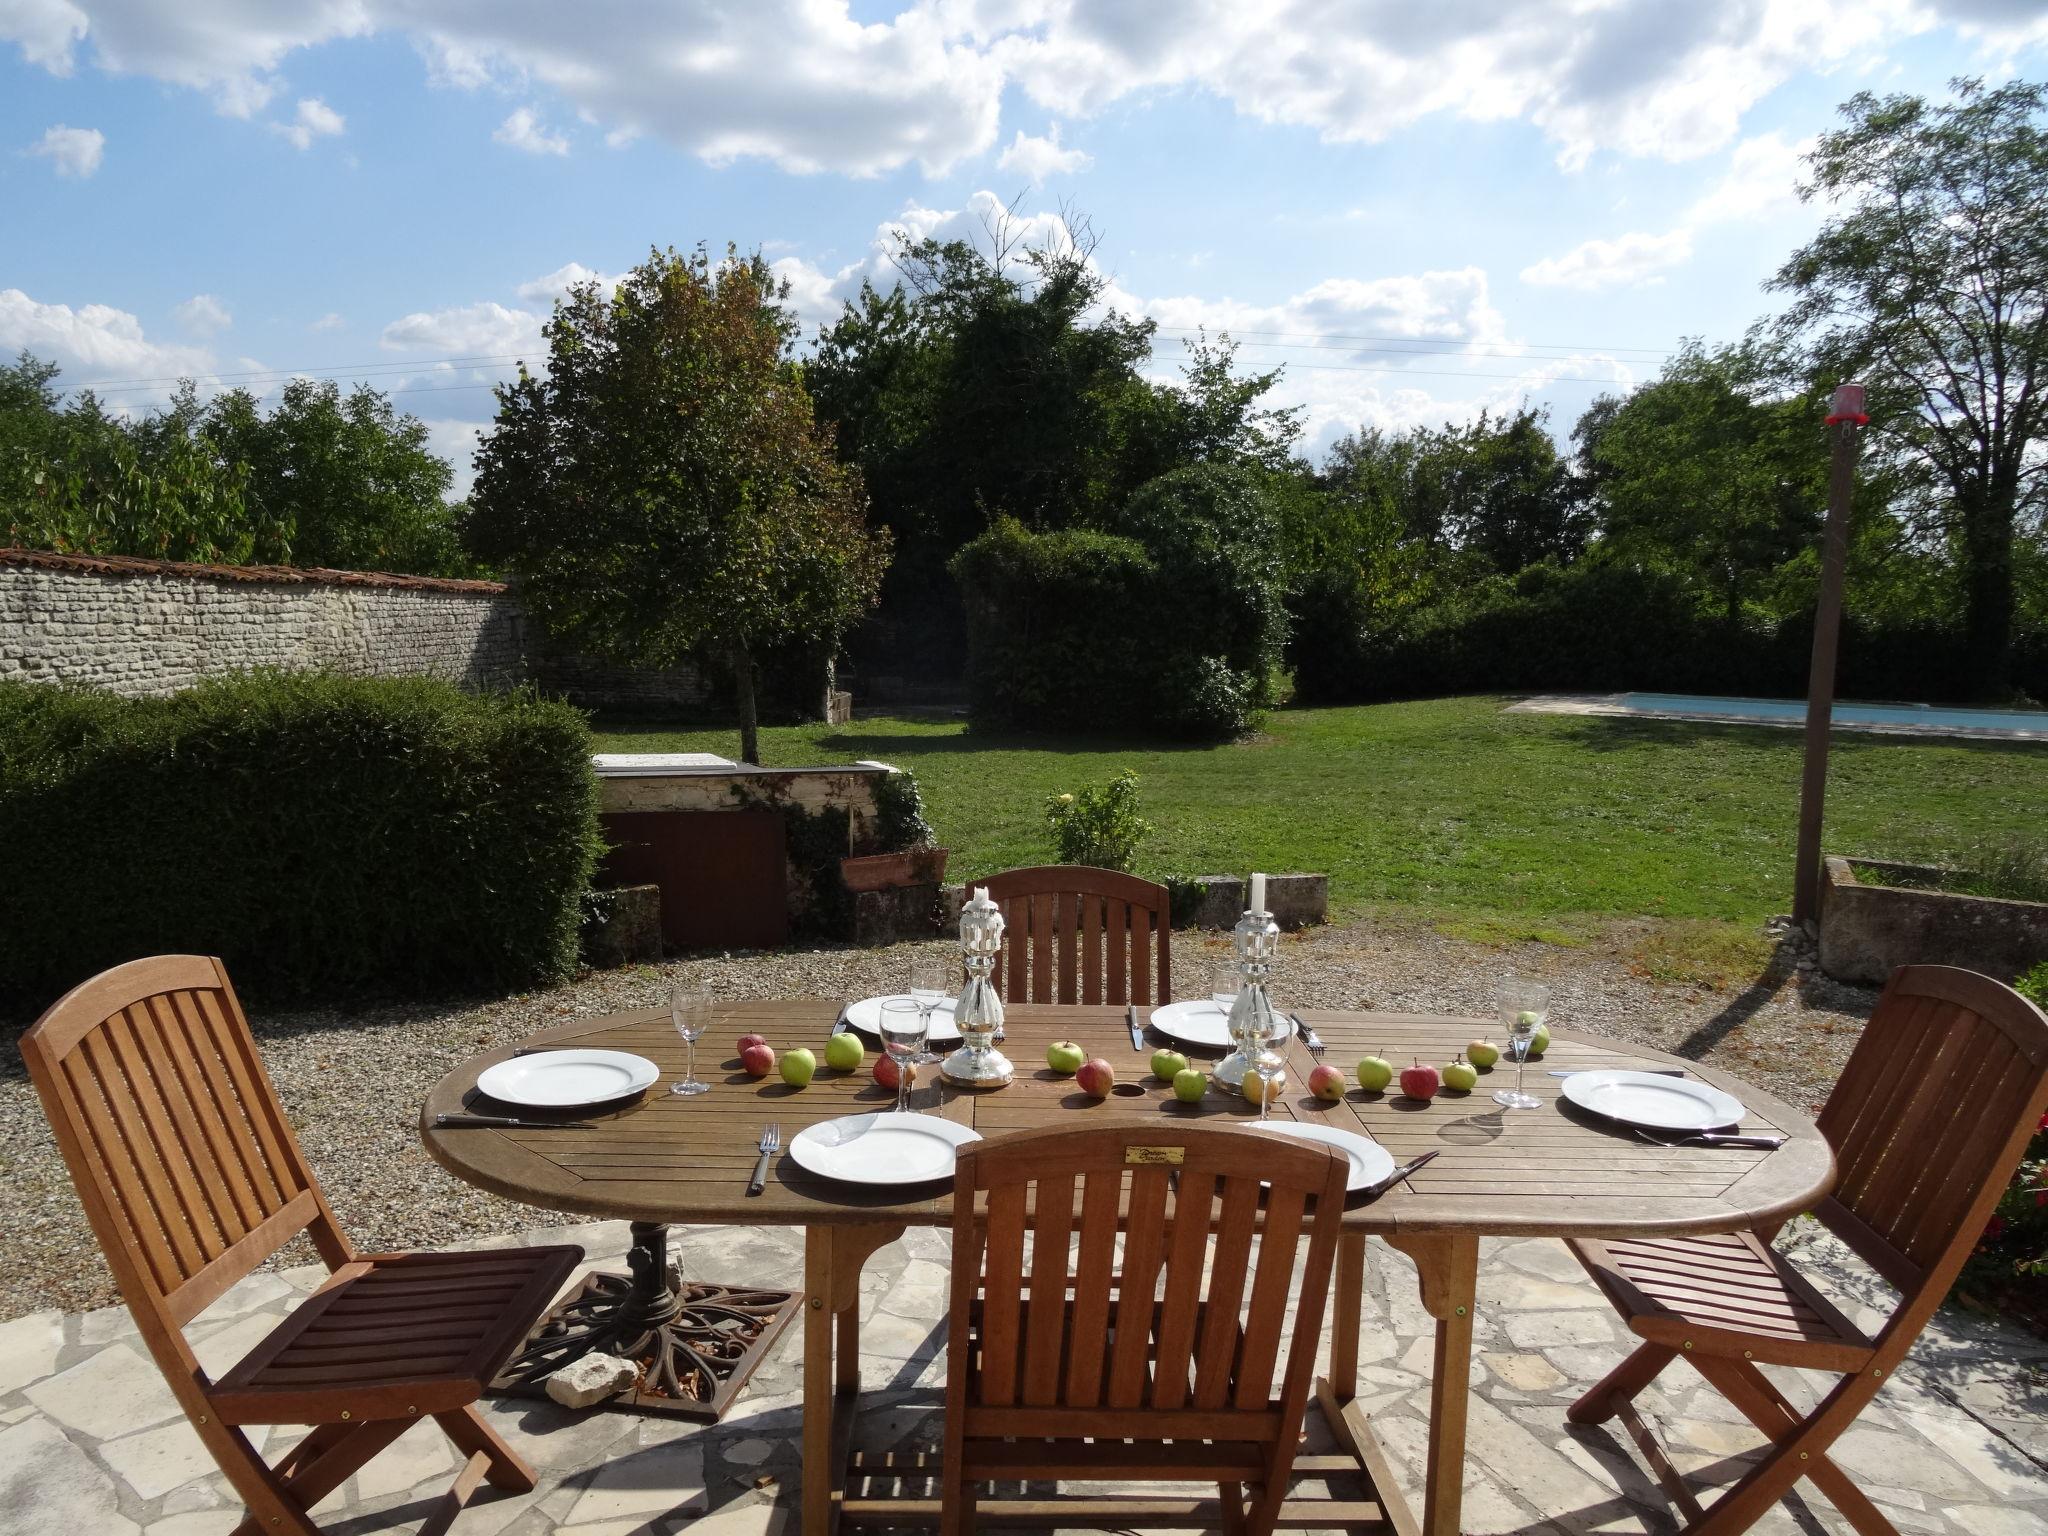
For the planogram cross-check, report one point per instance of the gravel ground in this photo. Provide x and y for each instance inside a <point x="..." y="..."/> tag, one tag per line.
<point x="353" y="1081"/>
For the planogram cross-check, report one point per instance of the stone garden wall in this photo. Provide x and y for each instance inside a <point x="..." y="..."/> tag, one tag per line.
<point x="139" y="627"/>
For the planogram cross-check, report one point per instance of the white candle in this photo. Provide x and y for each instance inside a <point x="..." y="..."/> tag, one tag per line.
<point x="1258" y="892"/>
<point x="981" y="896"/>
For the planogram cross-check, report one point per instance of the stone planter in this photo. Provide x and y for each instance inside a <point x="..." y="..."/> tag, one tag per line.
<point x="887" y="871"/>
<point x="1868" y="931"/>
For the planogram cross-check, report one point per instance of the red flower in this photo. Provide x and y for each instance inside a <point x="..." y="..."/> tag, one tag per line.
<point x="2043" y="1126"/>
<point x="1994" y="1229"/>
<point x="2040" y="1198"/>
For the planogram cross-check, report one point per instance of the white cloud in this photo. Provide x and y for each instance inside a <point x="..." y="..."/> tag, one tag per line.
<point x="203" y="316"/>
<point x="454" y="441"/>
<point x="328" y="322"/>
<point x="1042" y="158"/>
<point x="1762" y="179"/>
<point x="556" y="285"/>
<point x="71" y="151"/>
<point x="808" y="87"/>
<point x="1630" y="261"/>
<point x="314" y="120"/>
<point x="94" y="343"/>
<point x="471" y="330"/>
<point x="523" y="130"/>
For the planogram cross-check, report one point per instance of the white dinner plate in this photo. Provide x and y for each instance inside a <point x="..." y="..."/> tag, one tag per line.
<point x="1370" y="1162"/>
<point x="866" y="1016"/>
<point x="883" y="1148"/>
<point x="1199" y="1021"/>
<point x="566" y="1078"/>
<point x="1653" y="1100"/>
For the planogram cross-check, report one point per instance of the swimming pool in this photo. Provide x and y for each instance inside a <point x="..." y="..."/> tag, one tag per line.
<point x="1896" y="719"/>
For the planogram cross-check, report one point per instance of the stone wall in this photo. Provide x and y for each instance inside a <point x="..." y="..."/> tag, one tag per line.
<point x="139" y="627"/>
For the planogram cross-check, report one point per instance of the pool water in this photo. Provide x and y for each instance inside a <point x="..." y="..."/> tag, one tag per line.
<point x="1883" y="717"/>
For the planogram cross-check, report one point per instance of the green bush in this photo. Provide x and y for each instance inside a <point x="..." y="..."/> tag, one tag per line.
<point x="324" y="835"/>
<point x="1169" y="621"/>
<point x="2033" y="986"/>
<point x="1100" y="825"/>
<point x="1607" y="626"/>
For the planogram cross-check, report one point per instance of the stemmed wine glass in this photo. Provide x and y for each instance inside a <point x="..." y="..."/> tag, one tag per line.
<point x="1267" y="1064"/>
<point x="902" y="1031"/>
<point x="933" y="979"/>
<point x="689" y="1005"/>
<point x="1523" y="1006"/>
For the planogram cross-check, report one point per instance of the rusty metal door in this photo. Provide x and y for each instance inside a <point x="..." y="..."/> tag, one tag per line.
<point x="723" y="874"/>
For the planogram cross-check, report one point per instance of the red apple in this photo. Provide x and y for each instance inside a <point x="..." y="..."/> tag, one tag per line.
<point x="757" y="1060"/>
<point x="886" y="1072"/>
<point x="747" y="1040"/>
<point x="1326" y="1082"/>
<point x="1420" y="1082"/>
<point x="1096" y="1078"/>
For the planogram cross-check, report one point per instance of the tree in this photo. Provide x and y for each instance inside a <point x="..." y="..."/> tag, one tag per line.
<point x="351" y="478"/>
<point x="1930" y="283"/>
<point x="1707" y="471"/>
<point x="663" y="492"/>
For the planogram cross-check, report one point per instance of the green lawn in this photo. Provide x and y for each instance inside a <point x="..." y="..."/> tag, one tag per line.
<point x="1451" y="810"/>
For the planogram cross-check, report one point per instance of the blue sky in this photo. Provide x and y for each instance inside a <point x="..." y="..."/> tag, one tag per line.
<point x="1421" y="210"/>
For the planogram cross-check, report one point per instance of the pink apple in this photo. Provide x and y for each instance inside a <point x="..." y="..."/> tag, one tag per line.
<point x="757" y="1060"/>
<point x="1327" y="1082"/>
<point x="1420" y="1082"/>
<point x="886" y="1072"/>
<point x="1096" y="1078"/>
<point x="747" y="1040"/>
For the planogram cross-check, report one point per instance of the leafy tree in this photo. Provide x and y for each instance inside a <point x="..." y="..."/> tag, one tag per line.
<point x="664" y="492"/>
<point x="352" y="479"/>
<point x="1706" y="472"/>
<point x="1929" y="281"/>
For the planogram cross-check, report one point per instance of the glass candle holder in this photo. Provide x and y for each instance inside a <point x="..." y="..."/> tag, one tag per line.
<point x="979" y="1013"/>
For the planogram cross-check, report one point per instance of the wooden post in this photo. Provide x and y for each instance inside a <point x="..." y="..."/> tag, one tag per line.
<point x="1845" y="415"/>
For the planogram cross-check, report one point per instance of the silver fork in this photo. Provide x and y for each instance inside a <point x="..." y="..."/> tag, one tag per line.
<point x="771" y="1143"/>
<point x="1310" y="1038"/>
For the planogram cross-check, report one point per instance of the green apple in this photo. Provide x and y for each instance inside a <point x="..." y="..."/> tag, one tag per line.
<point x="1540" y="1041"/>
<point x="1167" y="1065"/>
<point x="798" y="1067"/>
<point x="1374" y="1073"/>
<point x="1189" y="1085"/>
<point x="1461" y="1076"/>
<point x="844" y="1052"/>
<point x="1482" y="1054"/>
<point x="1065" y="1057"/>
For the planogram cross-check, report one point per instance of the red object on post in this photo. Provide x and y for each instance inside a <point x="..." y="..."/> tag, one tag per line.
<point x="1847" y="405"/>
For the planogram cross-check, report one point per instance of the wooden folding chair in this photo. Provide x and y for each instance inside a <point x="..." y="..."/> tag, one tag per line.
<point x="1063" y="1364"/>
<point x="190" y="1174"/>
<point x="1076" y="934"/>
<point x="1930" y="1117"/>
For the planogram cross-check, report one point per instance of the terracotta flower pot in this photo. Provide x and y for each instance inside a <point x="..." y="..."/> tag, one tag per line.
<point x="886" y="871"/>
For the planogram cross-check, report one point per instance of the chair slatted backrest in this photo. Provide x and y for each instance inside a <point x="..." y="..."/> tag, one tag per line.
<point x="1065" y="1328"/>
<point x="1928" y="1120"/>
<point x="173" y="1133"/>
<point x="1076" y="934"/>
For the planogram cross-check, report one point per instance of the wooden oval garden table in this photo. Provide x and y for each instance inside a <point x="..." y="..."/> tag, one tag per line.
<point x="1532" y="1173"/>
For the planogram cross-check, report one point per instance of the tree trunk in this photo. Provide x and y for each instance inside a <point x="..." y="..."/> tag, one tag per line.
<point x="1987" y="519"/>
<point x="743" y="695"/>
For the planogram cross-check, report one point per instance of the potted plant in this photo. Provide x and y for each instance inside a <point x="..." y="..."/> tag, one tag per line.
<point x="910" y="853"/>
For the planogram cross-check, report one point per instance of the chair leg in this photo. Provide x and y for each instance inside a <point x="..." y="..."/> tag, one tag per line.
<point x="956" y="1505"/>
<point x="1621" y="1385"/>
<point x="318" y="1476"/>
<point x="1233" y="1508"/>
<point x="472" y="1433"/>
<point x="1752" y="1393"/>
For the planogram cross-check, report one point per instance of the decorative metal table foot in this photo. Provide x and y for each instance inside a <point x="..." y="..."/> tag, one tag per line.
<point x="695" y="1346"/>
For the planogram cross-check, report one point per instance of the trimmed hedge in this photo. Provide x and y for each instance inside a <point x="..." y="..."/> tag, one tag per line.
<point x="1169" y="622"/>
<point x="1598" y="627"/>
<point x="325" y="835"/>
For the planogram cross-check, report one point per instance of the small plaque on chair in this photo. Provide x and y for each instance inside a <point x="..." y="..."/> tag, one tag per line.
<point x="1153" y="1154"/>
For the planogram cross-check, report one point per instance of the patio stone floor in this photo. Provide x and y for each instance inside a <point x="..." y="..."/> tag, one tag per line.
<point x="91" y="1443"/>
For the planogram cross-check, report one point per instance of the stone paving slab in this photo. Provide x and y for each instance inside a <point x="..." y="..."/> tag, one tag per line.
<point x="91" y="1443"/>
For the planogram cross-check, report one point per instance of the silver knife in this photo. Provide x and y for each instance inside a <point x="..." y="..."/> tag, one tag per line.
<point x="1137" y="1031"/>
<point x="1401" y="1173"/>
<point x="1653" y="1071"/>
<point x="510" y="1122"/>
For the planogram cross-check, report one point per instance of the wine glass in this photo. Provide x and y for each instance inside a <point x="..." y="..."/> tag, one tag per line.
<point x="689" y="1006"/>
<point x="1223" y="987"/>
<point x="902" y="1031"/>
<point x="933" y="979"/>
<point x="1268" y="1065"/>
<point x="1523" y="1006"/>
